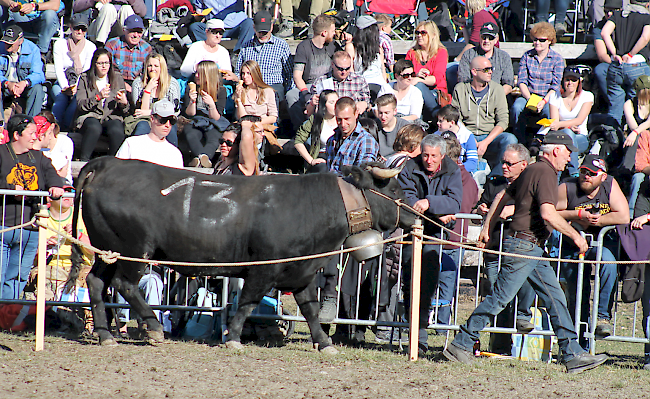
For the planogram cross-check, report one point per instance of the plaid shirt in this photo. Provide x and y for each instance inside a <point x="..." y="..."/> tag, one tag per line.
<point x="387" y="46"/>
<point x="359" y="147"/>
<point x="354" y="86"/>
<point x="274" y="58"/>
<point x="128" y="61"/>
<point x="540" y="77"/>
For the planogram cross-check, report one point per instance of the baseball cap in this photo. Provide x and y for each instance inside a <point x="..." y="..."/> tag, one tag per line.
<point x="133" y="22"/>
<point x="79" y="20"/>
<point x="263" y="21"/>
<point x="42" y="124"/>
<point x="490" y="28"/>
<point x="642" y="82"/>
<point x="12" y="34"/>
<point x="594" y="163"/>
<point x="215" y="23"/>
<point x="365" y="21"/>
<point x="560" y="138"/>
<point x="571" y="72"/>
<point x="163" y="108"/>
<point x="68" y="188"/>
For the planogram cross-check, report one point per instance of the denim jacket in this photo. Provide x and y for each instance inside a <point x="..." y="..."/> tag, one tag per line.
<point x="30" y="65"/>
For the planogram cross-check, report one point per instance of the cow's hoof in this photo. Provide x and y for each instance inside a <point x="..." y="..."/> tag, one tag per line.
<point x="156" y="336"/>
<point x="109" y="342"/>
<point x="234" y="345"/>
<point x="329" y="350"/>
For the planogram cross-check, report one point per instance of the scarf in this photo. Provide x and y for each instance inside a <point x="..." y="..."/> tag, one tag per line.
<point x="75" y="53"/>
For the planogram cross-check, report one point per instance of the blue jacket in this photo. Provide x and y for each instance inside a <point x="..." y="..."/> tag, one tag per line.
<point x="444" y="190"/>
<point x="30" y="65"/>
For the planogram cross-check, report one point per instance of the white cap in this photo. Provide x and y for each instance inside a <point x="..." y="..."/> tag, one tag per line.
<point x="163" y="108"/>
<point x="215" y="24"/>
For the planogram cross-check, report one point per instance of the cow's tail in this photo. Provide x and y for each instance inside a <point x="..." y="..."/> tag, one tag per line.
<point x="77" y="254"/>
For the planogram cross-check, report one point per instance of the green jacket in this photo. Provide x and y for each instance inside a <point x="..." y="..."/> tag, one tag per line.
<point x="492" y="111"/>
<point x="303" y="137"/>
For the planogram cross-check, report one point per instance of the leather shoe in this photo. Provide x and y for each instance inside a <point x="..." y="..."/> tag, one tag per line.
<point x="524" y="326"/>
<point x="456" y="354"/>
<point x="584" y="362"/>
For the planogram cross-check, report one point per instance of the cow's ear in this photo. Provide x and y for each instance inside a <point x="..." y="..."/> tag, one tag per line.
<point x="359" y="176"/>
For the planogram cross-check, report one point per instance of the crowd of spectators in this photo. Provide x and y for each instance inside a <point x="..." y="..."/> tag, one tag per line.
<point x="342" y="100"/>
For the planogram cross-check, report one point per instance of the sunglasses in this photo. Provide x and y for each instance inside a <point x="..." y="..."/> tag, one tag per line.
<point x="342" y="69"/>
<point x="164" y="120"/>
<point x="81" y="28"/>
<point x="484" y="70"/>
<point x="229" y="143"/>
<point x="263" y="33"/>
<point x="216" y="31"/>
<point x="511" y="164"/>
<point x="408" y="75"/>
<point x="488" y="37"/>
<point x="571" y="79"/>
<point x="540" y="39"/>
<point x="421" y="32"/>
<point x="589" y="173"/>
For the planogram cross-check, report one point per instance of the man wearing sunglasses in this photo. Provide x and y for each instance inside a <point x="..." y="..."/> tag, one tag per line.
<point x="590" y="202"/>
<point x="502" y="71"/>
<point x="154" y="147"/>
<point x="271" y="53"/>
<point x="484" y="111"/>
<point x="237" y="25"/>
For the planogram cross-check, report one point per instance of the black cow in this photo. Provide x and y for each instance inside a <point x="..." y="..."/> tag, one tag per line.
<point x="148" y="211"/>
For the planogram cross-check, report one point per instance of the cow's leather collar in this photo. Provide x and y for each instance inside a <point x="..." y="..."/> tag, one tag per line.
<point x="357" y="208"/>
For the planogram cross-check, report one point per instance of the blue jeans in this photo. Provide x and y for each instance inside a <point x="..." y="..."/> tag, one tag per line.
<point x="143" y="128"/>
<point x="242" y="32"/>
<point x="19" y="249"/>
<point x="494" y="152"/>
<point x="600" y="73"/>
<point x="608" y="277"/>
<point x="543" y="7"/>
<point x="45" y="26"/>
<point x="525" y="295"/>
<point x="519" y="122"/>
<point x="620" y="85"/>
<point x="64" y="107"/>
<point x="637" y="179"/>
<point x="447" y="282"/>
<point x="514" y="272"/>
<point x="452" y="75"/>
<point x="430" y="97"/>
<point x="582" y="143"/>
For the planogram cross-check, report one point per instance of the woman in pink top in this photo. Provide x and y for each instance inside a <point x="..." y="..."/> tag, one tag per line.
<point x="429" y="58"/>
<point x="253" y="96"/>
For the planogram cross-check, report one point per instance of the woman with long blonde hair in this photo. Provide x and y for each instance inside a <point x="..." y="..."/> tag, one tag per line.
<point x="206" y="100"/>
<point x="253" y="96"/>
<point x="429" y="57"/>
<point x="155" y="84"/>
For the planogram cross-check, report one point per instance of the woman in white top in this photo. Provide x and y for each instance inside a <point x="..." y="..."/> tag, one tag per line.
<point x="409" y="97"/>
<point x="569" y="110"/>
<point x="315" y="132"/>
<point x="209" y="50"/>
<point x="368" y="56"/>
<point x="72" y="57"/>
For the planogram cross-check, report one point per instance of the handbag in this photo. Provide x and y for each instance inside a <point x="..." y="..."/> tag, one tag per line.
<point x="444" y="98"/>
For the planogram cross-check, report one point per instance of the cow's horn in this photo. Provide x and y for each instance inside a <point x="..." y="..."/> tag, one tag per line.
<point x="385" y="173"/>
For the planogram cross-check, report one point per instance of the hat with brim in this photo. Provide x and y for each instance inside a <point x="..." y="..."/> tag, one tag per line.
<point x="366" y="21"/>
<point x="263" y="21"/>
<point x="490" y="28"/>
<point x="163" y="108"/>
<point x="594" y="163"/>
<point x="133" y="22"/>
<point x="12" y="34"/>
<point x="79" y="20"/>
<point x="560" y="138"/>
<point x="215" y="23"/>
<point x="571" y="72"/>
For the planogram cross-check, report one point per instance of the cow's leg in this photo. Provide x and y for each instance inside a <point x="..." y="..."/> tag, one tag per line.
<point x="97" y="290"/>
<point x="251" y="295"/>
<point x="307" y="299"/>
<point x="131" y="294"/>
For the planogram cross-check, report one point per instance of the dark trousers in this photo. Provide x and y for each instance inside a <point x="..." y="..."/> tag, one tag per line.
<point x="196" y="138"/>
<point x="92" y="129"/>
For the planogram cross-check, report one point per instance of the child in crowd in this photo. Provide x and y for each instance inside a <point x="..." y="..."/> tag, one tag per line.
<point x="385" y="28"/>
<point x="449" y="120"/>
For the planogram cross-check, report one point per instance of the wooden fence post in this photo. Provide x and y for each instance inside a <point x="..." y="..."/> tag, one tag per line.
<point x="40" y="280"/>
<point x="416" y="276"/>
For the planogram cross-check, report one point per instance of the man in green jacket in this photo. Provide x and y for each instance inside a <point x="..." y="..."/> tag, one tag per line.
<point x="484" y="111"/>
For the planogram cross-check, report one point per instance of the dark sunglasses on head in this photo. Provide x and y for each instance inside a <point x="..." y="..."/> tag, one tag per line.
<point x="164" y="120"/>
<point x="511" y="164"/>
<point x="342" y="69"/>
<point x="229" y="143"/>
<point x="216" y="31"/>
<point x="81" y="28"/>
<point x="408" y="75"/>
<point x="540" y="39"/>
<point x="421" y="32"/>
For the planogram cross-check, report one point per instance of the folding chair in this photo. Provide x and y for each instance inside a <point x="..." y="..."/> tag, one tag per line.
<point x="405" y="13"/>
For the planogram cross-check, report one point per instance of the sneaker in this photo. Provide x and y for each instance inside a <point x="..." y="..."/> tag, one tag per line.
<point x="194" y="163"/>
<point x="524" y="326"/>
<point x="584" y="362"/>
<point x="456" y="354"/>
<point x="604" y="328"/>
<point x="205" y="161"/>
<point x="384" y="337"/>
<point x="327" y="312"/>
<point x="286" y="30"/>
<point x="560" y="29"/>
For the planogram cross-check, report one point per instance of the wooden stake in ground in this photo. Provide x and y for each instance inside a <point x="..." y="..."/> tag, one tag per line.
<point x="416" y="276"/>
<point x="40" y="279"/>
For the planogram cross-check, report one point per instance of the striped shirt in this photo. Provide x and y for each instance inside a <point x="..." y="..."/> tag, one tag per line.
<point x="358" y="148"/>
<point x="540" y="77"/>
<point x="386" y="45"/>
<point x="274" y="58"/>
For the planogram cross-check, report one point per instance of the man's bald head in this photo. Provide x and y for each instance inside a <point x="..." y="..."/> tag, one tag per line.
<point x="480" y="62"/>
